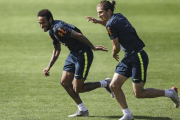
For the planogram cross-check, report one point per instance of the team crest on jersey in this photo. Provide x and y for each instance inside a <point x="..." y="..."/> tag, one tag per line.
<point x="109" y="31"/>
<point x="61" y="32"/>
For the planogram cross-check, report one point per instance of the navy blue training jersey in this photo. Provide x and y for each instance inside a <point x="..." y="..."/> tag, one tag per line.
<point x="61" y="34"/>
<point x="119" y="27"/>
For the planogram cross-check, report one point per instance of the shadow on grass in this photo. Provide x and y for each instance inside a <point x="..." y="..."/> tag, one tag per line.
<point x="136" y="117"/>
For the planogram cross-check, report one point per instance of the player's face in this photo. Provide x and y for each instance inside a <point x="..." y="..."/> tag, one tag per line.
<point x="103" y="14"/>
<point x="44" y="23"/>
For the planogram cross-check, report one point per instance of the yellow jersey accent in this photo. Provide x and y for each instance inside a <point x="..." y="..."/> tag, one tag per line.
<point x="142" y="66"/>
<point x="85" y="64"/>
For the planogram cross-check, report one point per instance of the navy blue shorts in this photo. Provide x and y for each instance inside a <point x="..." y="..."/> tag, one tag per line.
<point x="134" y="66"/>
<point x="79" y="63"/>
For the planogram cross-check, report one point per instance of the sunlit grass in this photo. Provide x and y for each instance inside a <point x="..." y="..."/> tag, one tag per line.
<point x="25" y="51"/>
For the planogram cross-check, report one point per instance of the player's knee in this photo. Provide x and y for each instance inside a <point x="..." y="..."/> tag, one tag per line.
<point x="111" y="86"/>
<point x="137" y="95"/>
<point x="114" y="87"/>
<point x="78" y="90"/>
<point x="64" y="84"/>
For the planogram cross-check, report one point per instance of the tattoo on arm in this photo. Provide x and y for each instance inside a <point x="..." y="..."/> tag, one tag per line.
<point x="55" y="54"/>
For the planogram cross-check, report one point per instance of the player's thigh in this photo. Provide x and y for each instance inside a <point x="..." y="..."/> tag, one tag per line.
<point x="122" y="73"/>
<point x="67" y="78"/>
<point x="138" y="88"/>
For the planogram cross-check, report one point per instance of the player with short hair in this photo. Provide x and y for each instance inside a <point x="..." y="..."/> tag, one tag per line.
<point x="135" y="62"/>
<point x="78" y="62"/>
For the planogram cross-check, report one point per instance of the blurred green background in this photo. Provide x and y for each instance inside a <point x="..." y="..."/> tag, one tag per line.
<point x="25" y="51"/>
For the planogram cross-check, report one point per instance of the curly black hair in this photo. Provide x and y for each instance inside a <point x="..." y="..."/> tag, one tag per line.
<point x="46" y="13"/>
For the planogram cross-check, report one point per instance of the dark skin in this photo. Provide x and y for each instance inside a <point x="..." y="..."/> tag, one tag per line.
<point x="66" y="81"/>
<point x="46" y="25"/>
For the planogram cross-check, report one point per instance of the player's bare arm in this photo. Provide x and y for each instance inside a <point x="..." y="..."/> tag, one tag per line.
<point x="116" y="48"/>
<point x="55" y="55"/>
<point x="84" y="40"/>
<point x="96" y="21"/>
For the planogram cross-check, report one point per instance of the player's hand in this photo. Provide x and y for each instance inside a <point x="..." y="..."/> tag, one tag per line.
<point x="46" y="71"/>
<point x="94" y="20"/>
<point x="100" y="47"/>
<point x="116" y="57"/>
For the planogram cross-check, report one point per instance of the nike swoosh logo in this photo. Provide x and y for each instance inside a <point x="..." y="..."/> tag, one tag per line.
<point x="77" y="75"/>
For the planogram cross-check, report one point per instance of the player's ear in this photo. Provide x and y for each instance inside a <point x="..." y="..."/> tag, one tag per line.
<point x="109" y="11"/>
<point x="50" y="20"/>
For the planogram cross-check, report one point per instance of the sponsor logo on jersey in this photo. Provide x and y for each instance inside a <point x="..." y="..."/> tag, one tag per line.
<point x="61" y="32"/>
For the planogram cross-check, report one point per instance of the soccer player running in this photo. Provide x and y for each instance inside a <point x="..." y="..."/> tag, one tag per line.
<point x="135" y="62"/>
<point x="78" y="62"/>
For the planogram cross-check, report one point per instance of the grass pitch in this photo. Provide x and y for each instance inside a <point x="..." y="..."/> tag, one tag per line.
<point x="25" y="51"/>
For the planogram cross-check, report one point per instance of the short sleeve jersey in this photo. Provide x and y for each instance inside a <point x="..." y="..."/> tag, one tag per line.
<point x="119" y="27"/>
<point x="61" y="34"/>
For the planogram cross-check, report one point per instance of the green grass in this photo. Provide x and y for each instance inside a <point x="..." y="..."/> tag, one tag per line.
<point x="25" y="51"/>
